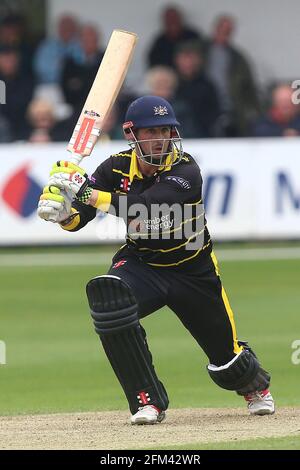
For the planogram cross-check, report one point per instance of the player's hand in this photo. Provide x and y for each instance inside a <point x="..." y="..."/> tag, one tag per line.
<point x="67" y="176"/>
<point x="54" y="205"/>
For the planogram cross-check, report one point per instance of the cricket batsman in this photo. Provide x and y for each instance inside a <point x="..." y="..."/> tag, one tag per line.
<point x="167" y="260"/>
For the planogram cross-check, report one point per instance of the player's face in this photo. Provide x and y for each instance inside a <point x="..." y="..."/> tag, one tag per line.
<point x="156" y="140"/>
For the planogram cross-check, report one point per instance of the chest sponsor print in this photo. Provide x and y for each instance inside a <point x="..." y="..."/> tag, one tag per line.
<point x="185" y="184"/>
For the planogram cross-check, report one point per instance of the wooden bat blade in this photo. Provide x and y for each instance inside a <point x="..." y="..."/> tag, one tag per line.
<point x="103" y="93"/>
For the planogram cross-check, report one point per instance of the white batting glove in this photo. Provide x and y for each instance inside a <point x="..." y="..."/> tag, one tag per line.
<point x="65" y="175"/>
<point x="54" y="205"/>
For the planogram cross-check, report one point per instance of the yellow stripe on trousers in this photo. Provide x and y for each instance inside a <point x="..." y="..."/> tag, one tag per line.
<point x="236" y="347"/>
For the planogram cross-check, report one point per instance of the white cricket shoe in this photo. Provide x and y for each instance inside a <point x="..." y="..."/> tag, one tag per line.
<point x="260" y="403"/>
<point x="148" y="414"/>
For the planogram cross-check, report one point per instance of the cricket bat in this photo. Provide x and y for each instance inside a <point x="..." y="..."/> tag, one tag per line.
<point x="102" y="95"/>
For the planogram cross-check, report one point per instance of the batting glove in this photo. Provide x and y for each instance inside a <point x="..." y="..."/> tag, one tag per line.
<point x="65" y="175"/>
<point x="54" y="205"/>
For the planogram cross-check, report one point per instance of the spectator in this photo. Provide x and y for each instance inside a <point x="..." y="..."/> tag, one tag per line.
<point x="125" y="97"/>
<point x="5" y="132"/>
<point x="197" y="91"/>
<point x="282" y="119"/>
<point x="78" y="74"/>
<point x="13" y="34"/>
<point x="19" y="89"/>
<point x="111" y="129"/>
<point x="41" y="118"/>
<point x="43" y="125"/>
<point x="50" y="56"/>
<point x="53" y="93"/>
<point x="174" y="33"/>
<point x="162" y="81"/>
<point x="231" y="74"/>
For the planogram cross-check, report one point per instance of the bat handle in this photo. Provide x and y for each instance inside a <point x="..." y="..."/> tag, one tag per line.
<point x="76" y="159"/>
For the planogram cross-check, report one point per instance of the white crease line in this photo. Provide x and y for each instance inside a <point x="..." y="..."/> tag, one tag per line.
<point x="96" y="259"/>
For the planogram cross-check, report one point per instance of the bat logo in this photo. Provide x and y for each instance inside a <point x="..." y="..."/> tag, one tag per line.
<point x="91" y="113"/>
<point x="83" y="135"/>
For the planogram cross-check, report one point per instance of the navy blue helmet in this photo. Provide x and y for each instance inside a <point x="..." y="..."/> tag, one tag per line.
<point x="153" y="111"/>
<point x="150" y="111"/>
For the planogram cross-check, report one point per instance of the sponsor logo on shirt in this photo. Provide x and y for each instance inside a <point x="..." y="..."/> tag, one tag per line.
<point x="125" y="184"/>
<point x="181" y="181"/>
<point x="119" y="263"/>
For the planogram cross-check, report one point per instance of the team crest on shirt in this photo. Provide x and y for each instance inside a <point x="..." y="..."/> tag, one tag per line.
<point x="125" y="184"/>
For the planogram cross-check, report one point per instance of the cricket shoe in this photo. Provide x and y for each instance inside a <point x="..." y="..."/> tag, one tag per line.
<point x="260" y="403"/>
<point x="148" y="414"/>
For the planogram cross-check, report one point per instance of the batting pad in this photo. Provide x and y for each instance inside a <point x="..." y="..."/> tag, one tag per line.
<point x="242" y="374"/>
<point x="115" y="315"/>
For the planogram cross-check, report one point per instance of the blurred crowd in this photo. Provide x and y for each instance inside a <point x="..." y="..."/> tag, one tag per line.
<point x="208" y="80"/>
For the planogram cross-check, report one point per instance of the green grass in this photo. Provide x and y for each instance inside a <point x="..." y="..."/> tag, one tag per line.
<point x="278" y="443"/>
<point x="55" y="362"/>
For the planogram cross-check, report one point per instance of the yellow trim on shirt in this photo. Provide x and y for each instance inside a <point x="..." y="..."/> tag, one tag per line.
<point x="183" y="260"/>
<point x="193" y="203"/>
<point x="169" y="162"/>
<point x="135" y="171"/>
<point x="177" y="247"/>
<point x="120" y="171"/>
<point x="134" y="167"/>
<point x="122" y="154"/>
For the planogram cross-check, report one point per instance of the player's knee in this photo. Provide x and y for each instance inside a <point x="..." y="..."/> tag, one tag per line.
<point x="112" y="303"/>
<point x="242" y="374"/>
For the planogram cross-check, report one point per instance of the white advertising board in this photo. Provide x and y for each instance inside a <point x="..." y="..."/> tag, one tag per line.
<point x="251" y="191"/>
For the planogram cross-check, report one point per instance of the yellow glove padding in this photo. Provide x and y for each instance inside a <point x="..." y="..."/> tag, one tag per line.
<point x="62" y="166"/>
<point x="52" y="193"/>
<point x="54" y="205"/>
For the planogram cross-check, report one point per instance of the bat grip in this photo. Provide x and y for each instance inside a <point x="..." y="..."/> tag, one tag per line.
<point x="76" y="159"/>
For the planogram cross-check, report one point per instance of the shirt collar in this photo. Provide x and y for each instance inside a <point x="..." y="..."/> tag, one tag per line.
<point x="134" y="167"/>
<point x="169" y="162"/>
<point x="134" y="170"/>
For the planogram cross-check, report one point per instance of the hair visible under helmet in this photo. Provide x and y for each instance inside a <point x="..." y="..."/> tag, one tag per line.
<point x="153" y="111"/>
